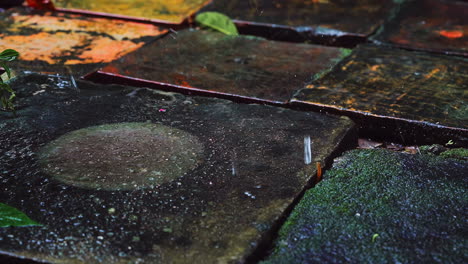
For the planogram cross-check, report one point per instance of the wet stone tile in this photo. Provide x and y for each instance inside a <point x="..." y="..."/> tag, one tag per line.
<point x="395" y="83"/>
<point x="378" y="206"/>
<point x="58" y="42"/>
<point x="239" y="65"/>
<point x="224" y="172"/>
<point x="359" y="17"/>
<point x="174" y="11"/>
<point x="430" y="25"/>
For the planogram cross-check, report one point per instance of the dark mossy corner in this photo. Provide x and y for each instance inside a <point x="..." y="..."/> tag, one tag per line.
<point x="378" y="206"/>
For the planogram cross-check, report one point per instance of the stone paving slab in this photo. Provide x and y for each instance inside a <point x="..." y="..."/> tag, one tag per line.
<point x="173" y="11"/>
<point x="236" y="168"/>
<point x="310" y="19"/>
<point x="239" y="65"/>
<point x="433" y="25"/>
<point x="395" y="83"/>
<point x="67" y="43"/>
<point x="377" y="206"/>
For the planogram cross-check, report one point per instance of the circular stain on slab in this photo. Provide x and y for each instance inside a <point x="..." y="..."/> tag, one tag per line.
<point x="123" y="156"/>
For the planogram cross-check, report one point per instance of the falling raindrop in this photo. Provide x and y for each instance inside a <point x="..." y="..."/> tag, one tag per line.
<point x="307" y="150"/>
<point x="250" y="195"/>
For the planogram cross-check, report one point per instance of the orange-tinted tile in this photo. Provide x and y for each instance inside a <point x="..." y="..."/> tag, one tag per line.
<point x="174" y="11"/>
<point x="64" y="39"/>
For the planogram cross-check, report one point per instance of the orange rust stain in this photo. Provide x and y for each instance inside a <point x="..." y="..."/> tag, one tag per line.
<point x="41" y="46"/>
<point x="105" y="50"/>
<point x="100" y="40"/>
<point x="374" y="67"/>
<point x="401" y="96"/>
<point x="345" y="67"/>
<point x="350" y="101"/>
<point x="50" y="47"/>
<point x="451" y="34"/>
<point x="432" y="73"/>
<point x="319" y="172"/>
<point x="118" y="29"/>
<point x="110" y="68"/>
<point x="181" y="80"/>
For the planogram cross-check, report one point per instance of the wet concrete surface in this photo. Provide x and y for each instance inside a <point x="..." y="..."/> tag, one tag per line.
<point x="237" y="168"/>
<point x="67" y="43"/>
<point x="434" y="25"/>
<point x="395" y="83"/>
<point x="378" y="206"/>
<point x="255" y="161"/>
<point x="244" y="65"/>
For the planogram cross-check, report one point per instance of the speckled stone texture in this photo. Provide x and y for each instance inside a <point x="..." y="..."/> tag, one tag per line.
<point x="255" y="161"/>
<point x="395" y="83"/>
<point x="238" y="65"/>
<point x="378" y="206"/>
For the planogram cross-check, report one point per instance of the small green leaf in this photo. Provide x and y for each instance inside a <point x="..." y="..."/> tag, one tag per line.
<point x="374" y="237"/>
<point x="9" y="55"/>
<point x="10" y="216"/>
<point x="218" y="22"/>
<point x="6" y="87"/>
<point x="6" y="68"/>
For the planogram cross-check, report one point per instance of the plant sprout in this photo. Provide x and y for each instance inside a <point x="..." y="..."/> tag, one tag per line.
<point x="6" y="93"/>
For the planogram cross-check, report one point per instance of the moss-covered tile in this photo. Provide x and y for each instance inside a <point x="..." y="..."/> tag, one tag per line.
<point x="174" y="11"/>
<point x="126" y="175"/>
<point x="377" y="206"/>
<point x="239" y="65"/>
<point x="51" y="42"/>
<point x="430" y="25"/>
<point x="395" y="83"/>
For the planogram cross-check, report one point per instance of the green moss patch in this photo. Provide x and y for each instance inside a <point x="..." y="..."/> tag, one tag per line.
<point x="377" y="206"/>
<point x="458" y="153"/>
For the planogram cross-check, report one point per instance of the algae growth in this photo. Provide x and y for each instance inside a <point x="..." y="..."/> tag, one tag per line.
<point x="377" y="206"/>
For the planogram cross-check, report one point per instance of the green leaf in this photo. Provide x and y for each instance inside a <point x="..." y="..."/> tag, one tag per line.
<point x="10" y="216"/>
<point x="12" y="96"/>
<point x="6" y="87"/>
<point x="218" y="22"/>
<point x="9" y="55"/>
<point x="6" y="68"/>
